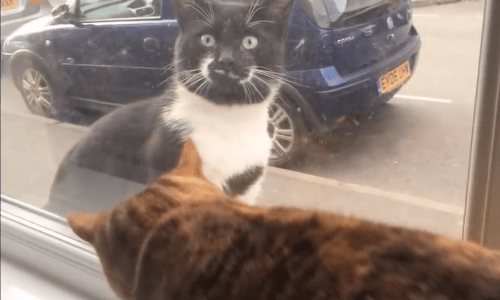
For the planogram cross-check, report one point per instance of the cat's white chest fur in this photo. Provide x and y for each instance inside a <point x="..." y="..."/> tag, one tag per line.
<point x="229" y="139"/>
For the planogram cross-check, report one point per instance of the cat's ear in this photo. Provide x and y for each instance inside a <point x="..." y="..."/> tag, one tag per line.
<point x="189" y="162"/>
<point x="278" y="10"/>
<point x="188" y="10"/>
<point x="83" y="224"/>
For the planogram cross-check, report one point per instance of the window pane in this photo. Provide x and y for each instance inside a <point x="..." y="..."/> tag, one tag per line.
<point x="373" y="118"/>
<point x="102" y="10"/>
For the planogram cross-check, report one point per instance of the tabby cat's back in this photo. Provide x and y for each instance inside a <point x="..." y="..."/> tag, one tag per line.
<point x="184" y="238"/>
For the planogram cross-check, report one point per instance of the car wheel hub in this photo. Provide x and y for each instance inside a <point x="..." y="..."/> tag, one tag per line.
<point x="281" y="131"/>
<point x="36" y="90"/>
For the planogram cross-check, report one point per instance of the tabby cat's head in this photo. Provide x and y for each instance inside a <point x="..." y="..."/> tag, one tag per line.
<point x="231" y="51"/>
<point x="118" y="234"/>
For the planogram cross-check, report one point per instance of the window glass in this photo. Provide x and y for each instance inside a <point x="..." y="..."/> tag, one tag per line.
<point x="109" y="9"/>
<point x="373" y="117"/>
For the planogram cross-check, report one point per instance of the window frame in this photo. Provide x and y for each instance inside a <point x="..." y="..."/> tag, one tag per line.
<point x="43" y="246"/>
<point x="483" y="193"/>
<point x="42" y="242"/>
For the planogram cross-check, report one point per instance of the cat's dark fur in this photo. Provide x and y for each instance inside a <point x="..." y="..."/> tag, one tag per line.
<point x="226" y="73"/>
<point x="184" y="238"/>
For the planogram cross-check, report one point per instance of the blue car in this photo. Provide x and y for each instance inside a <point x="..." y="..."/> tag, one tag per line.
<point x="343" y="57"/>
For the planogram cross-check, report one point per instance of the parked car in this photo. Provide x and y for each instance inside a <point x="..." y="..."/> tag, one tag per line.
<point x="343" y="57"/>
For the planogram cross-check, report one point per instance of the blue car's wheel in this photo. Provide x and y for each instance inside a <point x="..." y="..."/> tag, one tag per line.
<point x="286" y="130"/>
<point x="36" y="89"/>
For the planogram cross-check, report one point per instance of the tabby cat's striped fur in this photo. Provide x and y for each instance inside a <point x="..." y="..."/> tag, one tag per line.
<point x="184" y="238"/>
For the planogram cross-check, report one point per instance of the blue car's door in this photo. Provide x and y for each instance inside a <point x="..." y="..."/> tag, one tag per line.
<point x="115" y="54"/>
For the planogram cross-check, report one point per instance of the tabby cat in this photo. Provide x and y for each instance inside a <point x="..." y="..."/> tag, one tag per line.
<point x="226" y="74"/>
<point x="184" y="238"/>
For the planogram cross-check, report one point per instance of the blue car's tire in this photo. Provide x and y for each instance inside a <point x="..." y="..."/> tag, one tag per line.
<point x="287" y="132"/>
<point x="36" y="87"/>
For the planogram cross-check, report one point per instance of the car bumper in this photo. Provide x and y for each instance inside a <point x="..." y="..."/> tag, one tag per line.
<point x="357" y="93"/>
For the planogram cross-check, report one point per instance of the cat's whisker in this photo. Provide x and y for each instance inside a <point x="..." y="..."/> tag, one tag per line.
<point x="291" y="86"/>
<point x="188" y="79"/>
<point x="170" y="66"/>
<point x="272" y="76"/>
<point x="247" y="96"/>
<point x="264" y="69"/>
<point x="253" y="10"/>
<point x="163" y="82"/>
<point x="191" y="77"/>
<point x="212" y="13"/>
<point x="259" y="22"/>
<point x="283" y="67"/>
<point x="248" y="13"/>
<point x="194" y="82"/>
<point x="172" y="77"/>
<point x="253" y="85"/>
<point x="200" y="88"/>
<point x="250" y="93"/>
<point x="201" y="11"/>
<point x="208" y="88"/>
<point x="277" y="77"/>
<point x="179" y="74"/>
<point x="279" y="74"/>
<point x="276" y="93"/>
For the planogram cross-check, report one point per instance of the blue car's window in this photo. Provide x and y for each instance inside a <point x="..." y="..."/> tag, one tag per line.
<point x="373" y="117"/>
<point x="119" y="9"/>
<point x="168" y="9"/>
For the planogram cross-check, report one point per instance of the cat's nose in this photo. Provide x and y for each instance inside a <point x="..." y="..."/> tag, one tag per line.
<point x="226" y="59"/>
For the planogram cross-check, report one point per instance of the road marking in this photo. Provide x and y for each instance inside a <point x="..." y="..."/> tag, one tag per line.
<point x="420" y="98"/>
<point x="425" y="15"/>
<point x="457" y="210"/>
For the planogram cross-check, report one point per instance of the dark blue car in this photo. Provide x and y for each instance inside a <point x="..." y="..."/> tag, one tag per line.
<point x="343" y="57"/>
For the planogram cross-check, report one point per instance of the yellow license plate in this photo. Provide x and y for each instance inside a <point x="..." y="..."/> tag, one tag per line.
<point x="394" y="77"/>
<point x="8" y="4"/>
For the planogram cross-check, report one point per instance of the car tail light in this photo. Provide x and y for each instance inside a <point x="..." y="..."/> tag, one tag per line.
<point x="37" y="1"/>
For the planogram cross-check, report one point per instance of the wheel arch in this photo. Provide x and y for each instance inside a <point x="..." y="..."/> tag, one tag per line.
<point x="294" y="100"/>
<point x="19" y="58"/>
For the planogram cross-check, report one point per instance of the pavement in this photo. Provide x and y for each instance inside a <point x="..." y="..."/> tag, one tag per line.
<point x="422" y="3"/>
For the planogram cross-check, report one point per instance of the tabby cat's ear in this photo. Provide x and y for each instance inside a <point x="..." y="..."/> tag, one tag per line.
<point x="189" y="162"/>
<point x="83" y="225"/>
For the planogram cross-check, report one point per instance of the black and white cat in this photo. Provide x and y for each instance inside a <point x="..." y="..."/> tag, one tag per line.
<point x="226" y="74"/>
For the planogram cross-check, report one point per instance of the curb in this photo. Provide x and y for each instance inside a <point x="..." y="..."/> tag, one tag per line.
<point x="424" y="3"/>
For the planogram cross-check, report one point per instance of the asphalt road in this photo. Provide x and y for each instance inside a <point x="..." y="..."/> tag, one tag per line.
<point x="416" y="145"/>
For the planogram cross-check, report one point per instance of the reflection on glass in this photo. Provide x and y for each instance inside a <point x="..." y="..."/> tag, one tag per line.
<point x="338" y="141"/>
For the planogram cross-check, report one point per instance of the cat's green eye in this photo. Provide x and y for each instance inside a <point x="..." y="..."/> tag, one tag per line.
<point x="207" y="40"/>
<point x="250" y="42"/>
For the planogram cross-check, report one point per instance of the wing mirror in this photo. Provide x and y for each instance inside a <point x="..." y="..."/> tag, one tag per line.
<point x="67" y="12"/>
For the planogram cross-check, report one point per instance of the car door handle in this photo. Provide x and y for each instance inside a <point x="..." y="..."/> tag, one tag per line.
<point x="69" y="60"/>
<point x="151" y="44"/>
